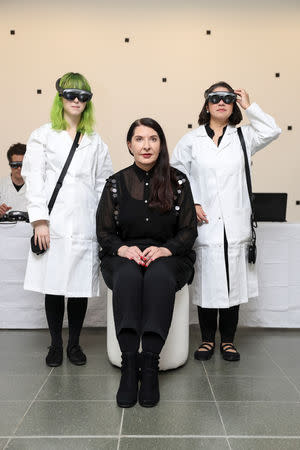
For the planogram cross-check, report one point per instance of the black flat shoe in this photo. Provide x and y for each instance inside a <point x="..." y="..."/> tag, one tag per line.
<point x="206" y="354"/>
<point x="76" y="355"/>
<point x="54" y="357"/>
<point x="228" y="355"/>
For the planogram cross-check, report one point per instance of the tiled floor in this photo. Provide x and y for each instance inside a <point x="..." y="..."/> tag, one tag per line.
<point x="246" y="405"/>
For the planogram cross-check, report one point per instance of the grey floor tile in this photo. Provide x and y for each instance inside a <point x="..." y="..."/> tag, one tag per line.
<point x="23" y="364"/>
<point x="173" y="444"/>
<point x="181" y="387"/>
<point x="93" y="340"/>
<point x="96" y="365"/>
<point x="296" y="381"/>
<point x="63" y="444"/>
<point x="20" y="387"/>
<point x="173" y="418"/>
<point x="191" y="368"/>
<point x="250" y="365"/>
<point x="265" y="444"/>
<point x="253" y="389"/>
<point x="24" y="341"/>
<point x="78" y="387"/>
<point x="3" y="442"/>
<point x="261" y="419"/>
<point x="10" y="415"/>
<point x="67" y="418"/>
<point x="289" y="363"/>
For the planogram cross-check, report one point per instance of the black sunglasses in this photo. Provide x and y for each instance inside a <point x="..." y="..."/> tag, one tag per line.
<point x="15" y="165"/>
<point x="71" y="94"/>
<point x="216" y="97"/>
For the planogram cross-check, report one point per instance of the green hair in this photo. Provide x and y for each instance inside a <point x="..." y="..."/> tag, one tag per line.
<point x="73" y="80"/>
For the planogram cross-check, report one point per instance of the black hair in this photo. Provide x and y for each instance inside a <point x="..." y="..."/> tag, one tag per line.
<point x="16" y="149"/>
<point x="204" y="117"/>
<point x="161" y="192"/>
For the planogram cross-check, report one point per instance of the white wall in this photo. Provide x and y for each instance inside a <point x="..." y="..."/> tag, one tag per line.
<point x="249" y="43"/>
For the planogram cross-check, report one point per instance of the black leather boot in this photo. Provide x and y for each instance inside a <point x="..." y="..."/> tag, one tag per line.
<point x="127" y="392"/>
<point x="149" y="390"/>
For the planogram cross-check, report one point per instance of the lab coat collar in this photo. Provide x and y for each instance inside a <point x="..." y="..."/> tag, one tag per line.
<point x="201" y="131"/>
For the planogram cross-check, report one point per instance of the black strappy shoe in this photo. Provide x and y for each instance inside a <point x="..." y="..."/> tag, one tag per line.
<point x="206" y="354"/>
<point x="228" y="355"/>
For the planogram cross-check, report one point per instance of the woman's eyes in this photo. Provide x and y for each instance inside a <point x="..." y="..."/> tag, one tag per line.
<point x="153" y="138"/>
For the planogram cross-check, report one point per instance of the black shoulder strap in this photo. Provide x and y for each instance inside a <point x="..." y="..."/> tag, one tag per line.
<point x="248" y="179"/>
<point x="247" y="169"/>
<point x="63" y="172"/>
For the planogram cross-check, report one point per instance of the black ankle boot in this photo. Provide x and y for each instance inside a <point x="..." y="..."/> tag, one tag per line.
<point x="127" y="392"/>
<point x="149" y="390"/>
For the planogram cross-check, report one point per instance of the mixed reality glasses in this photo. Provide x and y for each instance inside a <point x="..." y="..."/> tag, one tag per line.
<point x="216" y="97"/>
<point x="15" y="165"/>
<point x="71" y="94"/>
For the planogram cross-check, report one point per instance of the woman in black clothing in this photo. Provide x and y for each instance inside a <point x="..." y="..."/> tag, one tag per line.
<point x="146" y="226"/>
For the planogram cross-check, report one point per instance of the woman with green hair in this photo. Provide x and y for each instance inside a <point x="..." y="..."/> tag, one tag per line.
<point x="69" y="267"/>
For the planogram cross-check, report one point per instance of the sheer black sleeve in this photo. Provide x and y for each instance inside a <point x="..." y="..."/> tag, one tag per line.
<point x="107" y="219"/>
<point x="186" y="234"/>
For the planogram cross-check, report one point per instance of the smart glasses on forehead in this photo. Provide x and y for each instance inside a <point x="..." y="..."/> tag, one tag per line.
<point x="15" y="165"/>
<point x="71" y="94"/>
<point x="216" y="97"/>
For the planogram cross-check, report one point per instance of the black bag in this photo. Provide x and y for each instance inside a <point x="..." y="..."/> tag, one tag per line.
<point x="252" y="252"/>
<point x="35" y="247"/>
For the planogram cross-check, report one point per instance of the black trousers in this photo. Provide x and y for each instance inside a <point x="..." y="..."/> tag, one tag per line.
<point x="55" y="309"/>
<point x="143" y="298"/>
<point x="228" y="317"/>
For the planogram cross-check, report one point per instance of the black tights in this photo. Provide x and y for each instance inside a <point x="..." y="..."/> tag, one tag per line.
<point x="55" y="308"/>
<point x="228" y="320"/>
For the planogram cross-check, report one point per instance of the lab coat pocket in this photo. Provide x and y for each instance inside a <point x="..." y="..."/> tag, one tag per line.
<point x="238" y="225"/>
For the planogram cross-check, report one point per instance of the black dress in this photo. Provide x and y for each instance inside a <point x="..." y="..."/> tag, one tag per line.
<point x="143" y="298"/>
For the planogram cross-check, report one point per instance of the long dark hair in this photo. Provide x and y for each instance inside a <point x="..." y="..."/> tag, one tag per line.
<point x="161" y="192"/>
<point x="204" y="117"/>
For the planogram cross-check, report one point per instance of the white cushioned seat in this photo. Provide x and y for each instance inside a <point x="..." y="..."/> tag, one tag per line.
<point x="175" y="351"/>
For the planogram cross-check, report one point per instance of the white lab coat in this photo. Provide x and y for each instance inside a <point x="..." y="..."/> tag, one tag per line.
<point x="218" y="182"/>
<point x="71" y="266"/>
<point x="10" y="196"/>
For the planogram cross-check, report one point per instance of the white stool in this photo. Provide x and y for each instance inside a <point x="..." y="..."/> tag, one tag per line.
<point x="175" y="351"/>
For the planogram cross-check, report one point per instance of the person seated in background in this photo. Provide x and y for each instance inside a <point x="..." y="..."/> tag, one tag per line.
<point x="12" y="191"/>
<point x="146" y="226"/>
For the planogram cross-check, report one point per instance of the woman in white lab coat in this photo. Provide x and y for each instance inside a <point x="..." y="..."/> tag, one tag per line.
<point x="69" y="267"/>
<point x="212" y="158"/>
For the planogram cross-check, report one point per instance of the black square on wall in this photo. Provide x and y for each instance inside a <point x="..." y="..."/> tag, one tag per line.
<point x="39" y="91"/>
<point x="164" y="80"/>
<point x="277" y="74"/>
<point x="289" y="127"/>
<point x="12" y="32"/>
<point x="208" y="31"/>
<point x="126" y="39"/>
<point x="190" y="125"/>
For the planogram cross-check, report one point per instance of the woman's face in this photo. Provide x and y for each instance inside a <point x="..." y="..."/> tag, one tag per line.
<point x="220" y="111"/>
<point x="145" y="147"/>
<point x="73" y="108"/>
